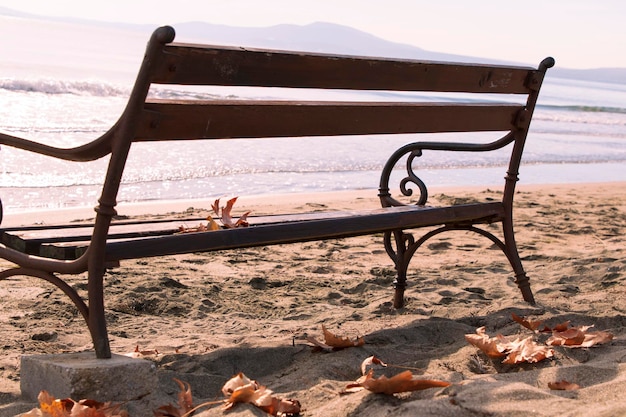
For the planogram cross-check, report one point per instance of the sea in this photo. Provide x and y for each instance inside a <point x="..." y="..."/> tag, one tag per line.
<point x="65" y="84"/>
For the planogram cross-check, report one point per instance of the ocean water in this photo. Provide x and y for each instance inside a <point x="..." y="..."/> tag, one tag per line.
<point x="65" y="99"/>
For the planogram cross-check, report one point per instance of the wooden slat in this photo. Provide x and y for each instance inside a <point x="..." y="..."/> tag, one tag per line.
<point x="132" y="240"/>
<point x="326" y="227"/>
<point x="218" y="65"/>
<point x="176" y="119"/>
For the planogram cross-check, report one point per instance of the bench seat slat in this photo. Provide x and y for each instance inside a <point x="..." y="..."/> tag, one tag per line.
<point x="176" y="119"/>
<point x="326" y="226"/>
<point x="232" y="66"/>
<point x="132" y="240"/>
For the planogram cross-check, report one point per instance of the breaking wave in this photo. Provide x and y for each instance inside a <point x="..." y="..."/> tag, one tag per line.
<point x="83" y="88"/>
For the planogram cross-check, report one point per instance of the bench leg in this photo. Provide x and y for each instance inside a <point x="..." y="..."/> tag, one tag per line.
<point x="399" y="284"/>
<point x="97" y="321"/>
<point x="401" y="256"/>
<point x="512" y="254"/>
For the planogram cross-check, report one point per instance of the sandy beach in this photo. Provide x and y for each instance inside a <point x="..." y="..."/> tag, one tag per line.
<point x="205" y="317"/>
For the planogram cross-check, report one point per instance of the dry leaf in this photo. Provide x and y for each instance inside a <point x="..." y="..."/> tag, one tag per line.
<point x="487" y="344"/>
<point x="516" y="351"/>
<point x="236" y="382"/>
<point x="563" y="385"/>
<point x="185" y="403"/>
<point x="225" y="216"/>
<point x="212" y="224"/>
<point x="561" y="327"/>
<point x="532" y="325"/>
<point x="525" y="350"/>
<point x="51" y="407"/>
<point x="241" y="389"/>
<point x="140" y="353"/>
<point x="372" y="360"/>
<point x="576" y="337"/>
<point x="227" y="219"/>
<point x="334" y="342"/>
<point x="402" y="382"/>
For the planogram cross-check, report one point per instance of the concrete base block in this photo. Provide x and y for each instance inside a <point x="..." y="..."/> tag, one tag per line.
<point x="81" y="375"/>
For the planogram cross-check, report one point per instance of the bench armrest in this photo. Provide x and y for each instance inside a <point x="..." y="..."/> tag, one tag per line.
<point x="88" y="152"/>
<point x="414" y="150"/>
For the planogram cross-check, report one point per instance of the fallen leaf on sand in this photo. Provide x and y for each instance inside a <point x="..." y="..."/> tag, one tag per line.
<point x="185" y="403"/>
<point x="516" y="351"/>
<point x="563" y="385"/>
<point x="51" y="407"/>
<point x="529" y="324"/>
<point x="402" y="382"/>
<point x="489" y="345"/>
<point x="333" y="342"/>
<point x="140" y="353"/>
<point x="577" y="337"/>
<point x="241" y="389"/>
<point x="372" y="360"/>
<point x="525" y="350"/>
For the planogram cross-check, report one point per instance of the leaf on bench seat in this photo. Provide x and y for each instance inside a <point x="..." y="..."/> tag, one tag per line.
<point x="225" y="217"/>
<point x="211" y="225"/>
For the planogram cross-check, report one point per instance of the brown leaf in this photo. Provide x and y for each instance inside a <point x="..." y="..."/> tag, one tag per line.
<point x="563" y="385"/>
<point x="140" y="353"/>
<point x="597" y="338"/>
<point x="561" y="327"/>
<point x="185" y="402"/>
<point x="227" y="219"/>
<point x="319" y="345"/>
<point x="238" y="381"/>
<point x="526" y="350"/>
<point x="226" y="216"/>
<point x="51" y="407"/>
<point x="532" y="325"/>
<point x="487" y="344"/>
<point x="216" y="207"/>
<point x="372" y="360"/>
<point x="212" y="225"/>
<point x="241" y="389"/>
<point x="244" y="394"/>
<point x="334" y="342"/>
<point x="516" y="351"/>
<point x="569" y="337"/>
<point x="576" y="337"/>
<point x="264" y="399"/>
<point x="340" y="342"/>
<point x="402" y="382"/>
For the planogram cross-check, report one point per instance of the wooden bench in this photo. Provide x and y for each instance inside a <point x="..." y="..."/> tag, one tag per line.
<point x="104" y="243"/>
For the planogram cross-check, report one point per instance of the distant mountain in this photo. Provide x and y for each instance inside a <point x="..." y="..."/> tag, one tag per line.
<point x="315" y="37"/>
<point x="334" y="38"/>
<point x="331" y="38"/>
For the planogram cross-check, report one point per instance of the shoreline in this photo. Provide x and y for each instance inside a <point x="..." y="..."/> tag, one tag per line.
<point x="265" y="201"/>
<point x="26" y="200"/>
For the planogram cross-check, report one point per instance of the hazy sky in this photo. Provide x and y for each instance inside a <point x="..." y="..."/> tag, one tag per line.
<point x="578" y="33"/>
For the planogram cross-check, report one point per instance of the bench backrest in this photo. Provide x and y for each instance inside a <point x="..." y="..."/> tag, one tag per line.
<point x="172" y="63"/>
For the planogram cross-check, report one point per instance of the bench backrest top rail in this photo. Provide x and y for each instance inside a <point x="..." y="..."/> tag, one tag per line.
<point x="188" y="64"/>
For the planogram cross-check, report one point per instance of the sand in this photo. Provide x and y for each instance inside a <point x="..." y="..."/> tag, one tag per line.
<point x="212" y="315"/>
